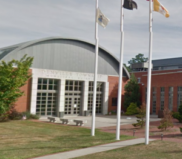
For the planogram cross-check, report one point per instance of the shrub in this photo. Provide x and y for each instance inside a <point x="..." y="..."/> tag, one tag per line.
<point x="132" y="109"/>
<point x="14" y="115"/>
<point x="140" y="117"/>
<point x="4" y="117"/>
<point x="180" y="110"/>
<point x="166" y="122"/>
<point x="180" y="129"/>
<point x="30" y="116"/>
<point x="175" y="115"/>
<point x="178" y="115"/>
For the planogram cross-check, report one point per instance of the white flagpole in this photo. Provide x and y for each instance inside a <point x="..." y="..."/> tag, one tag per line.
<point x="120" y="76"/>
<point x="96" y="68"/>
<point x="149" y="76"/>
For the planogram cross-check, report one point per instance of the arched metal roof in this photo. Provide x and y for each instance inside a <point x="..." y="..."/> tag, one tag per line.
<point x="8" y="51"/>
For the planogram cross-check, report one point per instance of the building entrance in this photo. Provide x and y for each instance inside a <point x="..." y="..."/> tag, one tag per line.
<point x="99" y="97"/>
<point x="72" y="105"/>
<point x="73" y="97"/>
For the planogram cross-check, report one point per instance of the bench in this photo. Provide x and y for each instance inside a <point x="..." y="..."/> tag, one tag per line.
<point x="79" y="122"/>
<point x="66" y="121"/>
<point x="52" y="119"/>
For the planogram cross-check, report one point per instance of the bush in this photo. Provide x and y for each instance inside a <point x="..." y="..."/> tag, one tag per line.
<point x="132" y="109"/>
<point x="30" y="116"/>
<point x="180" y="129"/>
<point x="4" y="117"/>
<point x="141" y="117"/>
<point x="175" y="115"/>
<point x="180" y="110"/>
<point x="14" y="115"/>
<point x="166" y="122"/>
<point x="178" y="115"/>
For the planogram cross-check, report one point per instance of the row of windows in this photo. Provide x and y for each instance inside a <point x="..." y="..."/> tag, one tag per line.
<point x="47" y="96"/>
<point x="162" y="98"/>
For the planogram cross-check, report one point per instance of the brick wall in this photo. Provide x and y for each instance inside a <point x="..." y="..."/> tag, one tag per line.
<point x="113" y="91"/>
<point x="162" y="78"/>
<point x="23" y="103"/>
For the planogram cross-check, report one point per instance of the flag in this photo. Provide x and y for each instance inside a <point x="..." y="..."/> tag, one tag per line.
<point x="102" y="19"/>
<point x="130" y="4"/>
<point x="158" y="7"/>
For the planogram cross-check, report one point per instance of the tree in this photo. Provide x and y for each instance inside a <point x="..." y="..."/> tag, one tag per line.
<point x="138" y="59"/>
<point x="166" y="122"/>
<point x="132" y="109"/>
<point x="127" y="67"/>
<point x="141" y="117"/>
<point x="11" y="79"/>
<point x="132" y="92"/>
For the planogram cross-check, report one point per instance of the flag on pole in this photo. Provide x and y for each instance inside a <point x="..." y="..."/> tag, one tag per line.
<point x="102" y="19"/>
<point x="158" y="7"/>
<point x="130" y="4"/>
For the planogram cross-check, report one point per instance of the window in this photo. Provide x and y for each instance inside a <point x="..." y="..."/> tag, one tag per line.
<point x="179" y="96"/>
<point x="47" y="84"/>
<point x="114" y="101"/>
<point x="162" y="98"/>
<point x="171" y="98"/>
<point x="139" y="80"/>
<point x="154" y="91"/>
<point x="99" y="97"/>
<point x="46" y="103"/>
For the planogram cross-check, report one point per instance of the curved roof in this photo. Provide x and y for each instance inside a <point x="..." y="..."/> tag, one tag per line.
<point x="13" y="50"/>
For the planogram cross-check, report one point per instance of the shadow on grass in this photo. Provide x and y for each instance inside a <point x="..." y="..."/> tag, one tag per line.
<point x="177" y="151"/>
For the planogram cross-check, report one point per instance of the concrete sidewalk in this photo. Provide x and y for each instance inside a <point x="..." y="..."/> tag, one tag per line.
<point x="95" y="149"/>
<point x="103" y="120"/>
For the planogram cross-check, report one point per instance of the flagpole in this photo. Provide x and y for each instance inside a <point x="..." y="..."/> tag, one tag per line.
<point x="120" y="76"/>
<point x="96" y="68"/>
<point x="149" y="75"/>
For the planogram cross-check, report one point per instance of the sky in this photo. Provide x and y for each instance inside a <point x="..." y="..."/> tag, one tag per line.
<point x="26" y="20"/>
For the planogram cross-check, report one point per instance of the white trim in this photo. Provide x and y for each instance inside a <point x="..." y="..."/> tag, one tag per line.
<point x="63" y="76"/>
<point x="33" y="95"/>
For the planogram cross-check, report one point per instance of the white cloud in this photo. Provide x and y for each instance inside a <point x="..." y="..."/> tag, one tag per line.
<point x="23" y="20"/>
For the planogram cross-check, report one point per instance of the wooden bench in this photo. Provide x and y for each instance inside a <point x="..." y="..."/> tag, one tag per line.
<point x="79" y="122"/>
<point x="52" y="119"/>
<point x="65" y="121"/>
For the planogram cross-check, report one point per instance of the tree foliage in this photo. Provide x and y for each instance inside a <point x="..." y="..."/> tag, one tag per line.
<point x="132" y="109"/>
<point x="166" y="122"/>
<point x="11" y="79"/>
<point x="141" y="117"/>
<point x="132" y="92"/>
<point x="138" y="59"/>
<point x="178" y="115"/>
<point x="127" y="67"/>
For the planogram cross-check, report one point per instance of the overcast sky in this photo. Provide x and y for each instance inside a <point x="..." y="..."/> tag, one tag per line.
<point x="25" y="20"/>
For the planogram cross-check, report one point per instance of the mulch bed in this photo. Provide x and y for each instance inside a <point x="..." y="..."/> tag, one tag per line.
<point x="172" y="134"/>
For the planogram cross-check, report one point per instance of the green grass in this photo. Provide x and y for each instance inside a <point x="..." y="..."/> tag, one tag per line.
<point x="155" y="150"/>
<point x="26" y="139"/>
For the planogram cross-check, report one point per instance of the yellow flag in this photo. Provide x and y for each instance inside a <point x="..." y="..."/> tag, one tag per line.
<point x="158" y="7"/>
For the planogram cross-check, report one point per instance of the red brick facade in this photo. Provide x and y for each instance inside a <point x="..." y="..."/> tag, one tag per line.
<point x="23" y="103"/>
<point x="166" y="79"/>
<point x="113" y="91"/>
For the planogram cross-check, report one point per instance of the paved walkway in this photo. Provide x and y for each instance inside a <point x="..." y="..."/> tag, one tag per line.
<point x="104" y="120"/>
<point x="95" y="149"/>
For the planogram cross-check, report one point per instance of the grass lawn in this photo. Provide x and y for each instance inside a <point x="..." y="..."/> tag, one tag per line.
<point x="155" y="150"/>
<point x="26" y="139"/>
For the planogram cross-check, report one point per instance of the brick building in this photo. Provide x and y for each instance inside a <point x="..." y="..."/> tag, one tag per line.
<point x="166" y="84"/>
<point x="62" y="77"/>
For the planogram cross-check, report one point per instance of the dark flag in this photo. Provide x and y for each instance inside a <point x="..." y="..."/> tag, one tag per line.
<point x="129" y="4"/>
